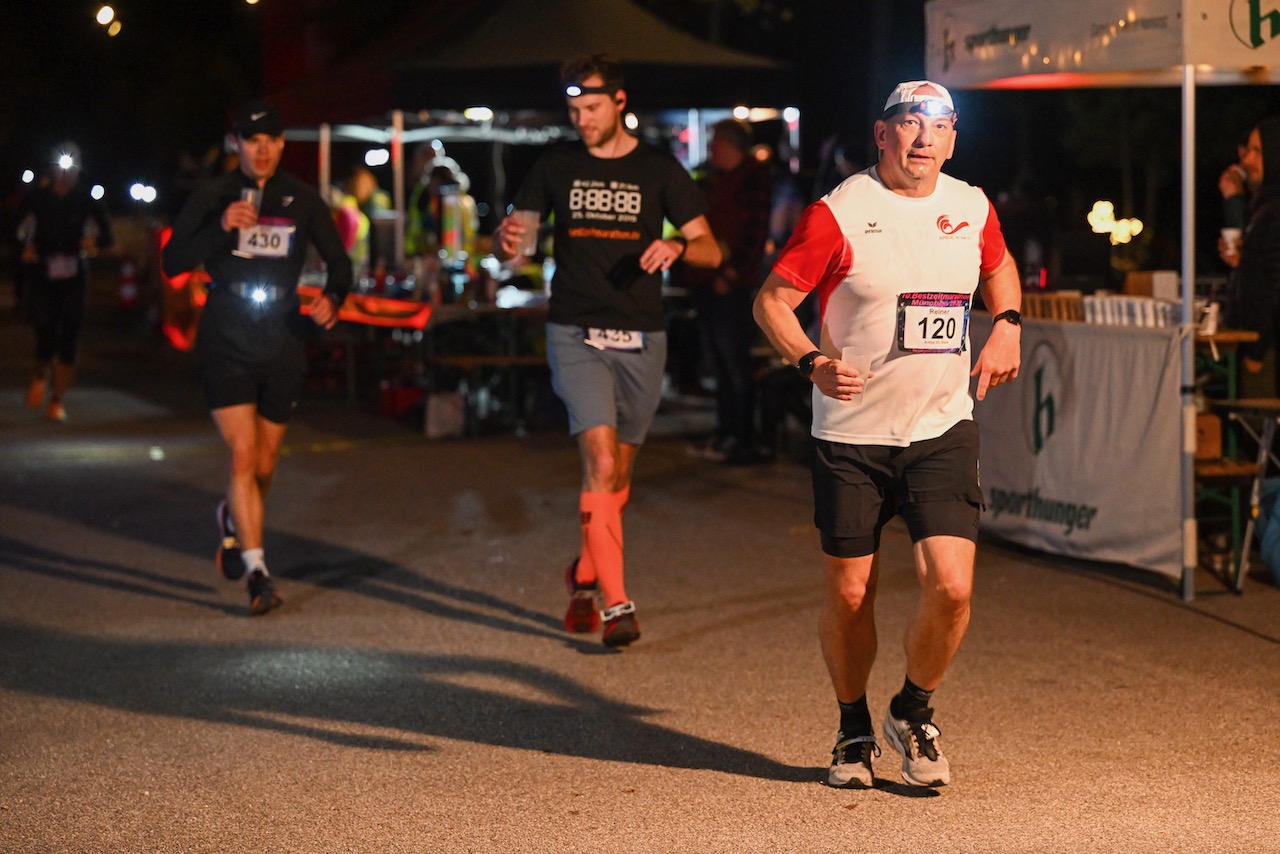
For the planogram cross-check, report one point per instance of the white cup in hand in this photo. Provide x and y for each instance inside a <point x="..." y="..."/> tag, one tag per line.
<point x="529" y="239"/>
<point x="1231" y="240"/>
<point x="861" y="363"/>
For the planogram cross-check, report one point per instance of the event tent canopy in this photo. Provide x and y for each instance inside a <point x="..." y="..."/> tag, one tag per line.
<point x="1015" y="44"/>
<point x="510" y="59"/>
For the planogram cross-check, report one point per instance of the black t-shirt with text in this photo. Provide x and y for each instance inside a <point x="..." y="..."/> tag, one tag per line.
<point x="607" y="212"/>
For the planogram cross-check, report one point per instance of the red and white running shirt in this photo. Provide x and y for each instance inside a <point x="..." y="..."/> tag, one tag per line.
<point x="882" y="263"/>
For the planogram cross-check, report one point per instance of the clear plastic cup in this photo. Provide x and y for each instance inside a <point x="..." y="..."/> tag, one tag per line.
<point x="529" y="240"/>
<point x="1231" y="240"/>
<point x="861" y="363"/>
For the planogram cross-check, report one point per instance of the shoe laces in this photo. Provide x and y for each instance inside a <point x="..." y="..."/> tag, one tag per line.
<point x="868" y="748"/>
<point x="924" y="735"/>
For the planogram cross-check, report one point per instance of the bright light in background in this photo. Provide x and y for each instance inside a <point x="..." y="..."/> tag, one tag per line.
<point x="66" y="161"/>
<point x="114" y="29"/>
<point x="741" y="112"/>
<point x="143" y="193"/>
<point x="28" y="176"/>
<point x="1102" y="219"/>
<point x="98" y="191"/>
<point x="106" y="15"/>
<point x="478" y="114"/>
<point x="252" y="2"/>
<point x="791" y="115"/>
<point x="377" y="157"/>
<point x="631" y="121"/>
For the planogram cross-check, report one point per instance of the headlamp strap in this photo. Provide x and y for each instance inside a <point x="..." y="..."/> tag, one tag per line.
<point x="573" y="90"/>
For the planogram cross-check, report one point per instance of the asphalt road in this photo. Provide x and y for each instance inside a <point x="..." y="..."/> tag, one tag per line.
<point x="417" y="694"/>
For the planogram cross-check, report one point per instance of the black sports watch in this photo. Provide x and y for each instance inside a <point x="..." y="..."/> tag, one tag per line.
<point x="805" y="365"/>
<point x="1011" y="315"/>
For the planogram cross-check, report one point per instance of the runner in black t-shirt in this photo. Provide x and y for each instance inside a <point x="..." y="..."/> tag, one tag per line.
<point x="250" y="229"/>
<point x="609" y="195"/>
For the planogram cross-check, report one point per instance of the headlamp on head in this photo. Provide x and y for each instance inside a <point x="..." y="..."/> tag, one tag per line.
<point x="931" y="108"/>
<point x="920" y="97"/>
<point x="573" y="90"/>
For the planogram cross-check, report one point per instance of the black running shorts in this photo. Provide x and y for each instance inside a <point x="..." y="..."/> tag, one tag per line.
<point x="932" y="484"/>
<point x="273" y="388"/>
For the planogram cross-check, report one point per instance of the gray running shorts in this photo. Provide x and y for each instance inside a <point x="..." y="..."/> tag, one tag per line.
<point x="612" y="388"/>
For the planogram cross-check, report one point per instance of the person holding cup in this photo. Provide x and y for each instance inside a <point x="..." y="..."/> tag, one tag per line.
<point x="251" y="228"/>
<point x="896" y="253"/>
<point x="606" y="341"/>
<point x="1255" y="303"/>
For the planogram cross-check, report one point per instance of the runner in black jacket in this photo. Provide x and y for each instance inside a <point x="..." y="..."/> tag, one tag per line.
<point x="251" y="229"/>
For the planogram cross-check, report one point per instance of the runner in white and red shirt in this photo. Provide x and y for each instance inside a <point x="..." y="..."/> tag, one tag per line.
<point x="896" y="253"/>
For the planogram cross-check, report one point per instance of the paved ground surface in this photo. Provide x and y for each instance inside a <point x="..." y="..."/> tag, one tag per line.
<point x="416" y="693"/>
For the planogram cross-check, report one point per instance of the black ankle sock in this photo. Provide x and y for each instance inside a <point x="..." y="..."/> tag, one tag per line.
<point x="855" y="718"/>
<point x="912" y="698"/>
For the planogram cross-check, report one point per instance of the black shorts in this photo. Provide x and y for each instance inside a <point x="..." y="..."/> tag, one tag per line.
<point x="274" y="388"/>
<point x="933" y="484"/>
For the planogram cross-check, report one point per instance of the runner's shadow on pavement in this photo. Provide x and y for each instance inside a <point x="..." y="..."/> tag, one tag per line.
<point x="25" y="557"/>
<point x="365" y="575"/>
<point x="323" y="693"/>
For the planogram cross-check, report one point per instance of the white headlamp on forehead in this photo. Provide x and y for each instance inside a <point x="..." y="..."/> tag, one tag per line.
<point x="930" y="108"/>
<point x="573" y="90"/>
<point x="921" y="97"/>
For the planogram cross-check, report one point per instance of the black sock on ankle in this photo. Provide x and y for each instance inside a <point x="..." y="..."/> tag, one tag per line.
<point x="855" y="718"/>
<point x="912" y="698"/>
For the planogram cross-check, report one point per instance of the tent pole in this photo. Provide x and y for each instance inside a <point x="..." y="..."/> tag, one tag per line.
<point x="326" y="178"/>
<point x="397" y="184"/>
<point x="1190" y="538"/>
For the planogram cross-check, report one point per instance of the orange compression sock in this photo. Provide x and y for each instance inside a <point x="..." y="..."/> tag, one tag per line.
<point x="602" y="540"/>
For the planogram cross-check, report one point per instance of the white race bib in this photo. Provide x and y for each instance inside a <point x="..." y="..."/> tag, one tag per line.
<point x="932" y="323"/>
<point x="615" y="339"/>
<point x="270" y="238"/>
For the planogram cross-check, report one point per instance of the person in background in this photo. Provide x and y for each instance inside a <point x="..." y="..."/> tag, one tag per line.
<point x="895" y="253"/>
<point x="370" y="256"/>
<point x="60" y="225"/>
<point x="442" y="216"/>
<point x="737" y="187"/>
<point x="1235" y="186"/>
<point x="251" y="229"/>
<point x="606" y="345"/>
<point x="1255" y="305"/>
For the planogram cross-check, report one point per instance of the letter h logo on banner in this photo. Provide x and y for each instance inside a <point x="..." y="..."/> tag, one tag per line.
<point x="1042" y="420"/>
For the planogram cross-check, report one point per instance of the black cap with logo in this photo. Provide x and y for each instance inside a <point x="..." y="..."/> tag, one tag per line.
<point x="256" y="117"/>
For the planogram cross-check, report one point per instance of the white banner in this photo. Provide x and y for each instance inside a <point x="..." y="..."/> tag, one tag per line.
<point x="1080" y="456"/>
<point x="1135" y="42"/>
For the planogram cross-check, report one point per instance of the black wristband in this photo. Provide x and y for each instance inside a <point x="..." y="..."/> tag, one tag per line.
<point x="684" y="244"/>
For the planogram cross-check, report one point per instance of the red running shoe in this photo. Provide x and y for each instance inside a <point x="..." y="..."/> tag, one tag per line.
<point x="582" y="616"/>
<point x="620" y="625"/>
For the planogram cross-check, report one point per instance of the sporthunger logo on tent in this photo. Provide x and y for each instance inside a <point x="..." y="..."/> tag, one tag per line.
<point x="1252" y="27"/>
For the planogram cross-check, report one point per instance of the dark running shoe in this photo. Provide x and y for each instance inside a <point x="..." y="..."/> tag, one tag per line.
<point x="582" y="616"/>
<point x="229" y="561"/>
<point x="620" y="626"/>
<point x="917" y="740"/>
<point x="262" y="593"/>
<point x="851" y="762"/>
